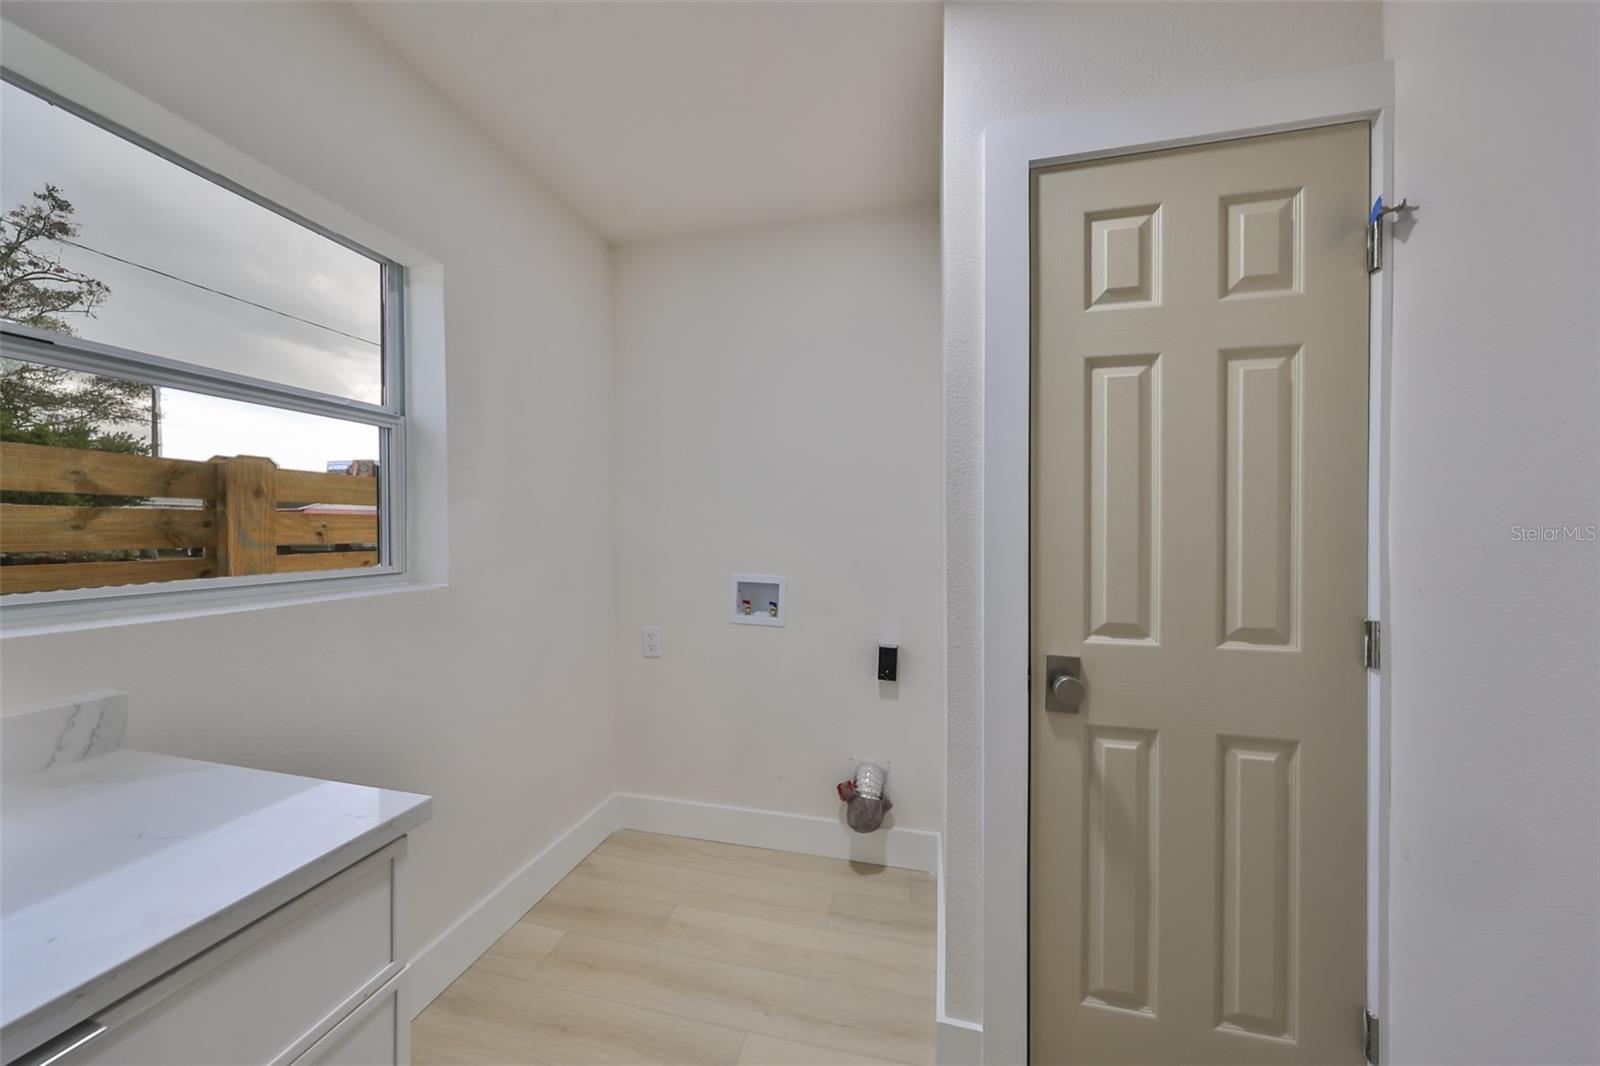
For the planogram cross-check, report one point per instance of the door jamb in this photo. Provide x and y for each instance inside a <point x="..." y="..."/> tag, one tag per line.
<point x="1012" y="150"/>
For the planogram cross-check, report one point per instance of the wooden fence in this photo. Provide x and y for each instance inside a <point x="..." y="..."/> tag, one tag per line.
<point x="250" y="519"/>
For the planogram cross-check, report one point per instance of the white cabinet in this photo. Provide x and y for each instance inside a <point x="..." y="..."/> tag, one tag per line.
<point x="314" y="982"/>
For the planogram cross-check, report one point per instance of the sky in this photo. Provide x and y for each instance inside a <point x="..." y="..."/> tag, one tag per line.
<point x="137" y="206"/>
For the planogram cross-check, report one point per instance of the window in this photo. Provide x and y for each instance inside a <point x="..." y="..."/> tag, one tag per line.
<point x="195" y="386"/>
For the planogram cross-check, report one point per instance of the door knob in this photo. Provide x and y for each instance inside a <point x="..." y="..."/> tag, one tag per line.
<point x="1064" y="687"/>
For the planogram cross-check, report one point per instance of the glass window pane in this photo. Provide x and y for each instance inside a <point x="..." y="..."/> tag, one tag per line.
<point x="165" y="262"/>
<point x="111" y="482"/>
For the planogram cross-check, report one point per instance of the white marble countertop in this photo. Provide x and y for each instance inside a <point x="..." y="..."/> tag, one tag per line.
<point x="119" y="866"/>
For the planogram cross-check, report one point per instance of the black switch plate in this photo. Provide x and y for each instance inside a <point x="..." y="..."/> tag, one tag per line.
<point x="888" y="663"/>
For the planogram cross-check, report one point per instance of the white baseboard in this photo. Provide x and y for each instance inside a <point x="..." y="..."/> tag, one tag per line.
<point x="459" y="946"/>
<point x="958" y="1043"/>
<point x="911" y="849"/>
<point x="452" y="951"/>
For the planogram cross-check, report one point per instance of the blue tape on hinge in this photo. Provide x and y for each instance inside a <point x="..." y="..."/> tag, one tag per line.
<point x="1377" y="211"/>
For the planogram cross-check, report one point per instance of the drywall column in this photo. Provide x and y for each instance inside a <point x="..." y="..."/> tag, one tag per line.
<point x="1492" y="634"/>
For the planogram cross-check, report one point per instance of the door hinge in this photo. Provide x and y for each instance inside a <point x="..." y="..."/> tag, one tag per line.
<point x="1369" y="1036"/>
<point x="1372" y="644"/>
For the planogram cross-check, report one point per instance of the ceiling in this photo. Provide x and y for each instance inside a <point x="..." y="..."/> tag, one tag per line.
<point x="660" y="119"/>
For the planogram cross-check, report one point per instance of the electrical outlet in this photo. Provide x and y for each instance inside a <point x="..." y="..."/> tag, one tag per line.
<point x="652" y="642"/>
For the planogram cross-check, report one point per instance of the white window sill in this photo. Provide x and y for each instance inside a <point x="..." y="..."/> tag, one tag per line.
<point x="38" y="619"/>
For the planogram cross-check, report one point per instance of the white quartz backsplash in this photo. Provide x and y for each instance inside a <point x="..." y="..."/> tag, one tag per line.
<point x="55" y="736"/>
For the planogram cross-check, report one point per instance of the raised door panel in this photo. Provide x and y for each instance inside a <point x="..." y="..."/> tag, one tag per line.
<point x="1123" y="395"/>
<point x="1260" y="562"/>
<point x="1258" y="862"/>
<point x="1119" y="916"/>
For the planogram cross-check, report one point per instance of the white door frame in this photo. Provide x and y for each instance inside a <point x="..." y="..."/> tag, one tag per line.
<point x="1011" y="151"/>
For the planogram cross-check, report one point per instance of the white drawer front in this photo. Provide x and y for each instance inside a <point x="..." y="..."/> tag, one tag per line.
<point x="372" y="1038"/>
<point x="256" y="1005"/>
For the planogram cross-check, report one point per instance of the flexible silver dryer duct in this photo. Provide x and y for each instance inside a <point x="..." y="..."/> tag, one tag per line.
<point x="865" y="800"/>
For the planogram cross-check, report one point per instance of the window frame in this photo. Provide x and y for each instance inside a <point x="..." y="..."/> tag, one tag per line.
<point x="27" y="612"/>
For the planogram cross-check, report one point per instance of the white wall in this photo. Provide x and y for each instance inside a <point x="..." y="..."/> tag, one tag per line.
<point x="1006" y="61"/>
<point x="1494" y="816"/>
<point x="494" y="695"/>
<point x="778" y="412"/>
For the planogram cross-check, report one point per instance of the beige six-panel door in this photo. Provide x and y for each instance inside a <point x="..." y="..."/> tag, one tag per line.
<point x="1199" y="505"/>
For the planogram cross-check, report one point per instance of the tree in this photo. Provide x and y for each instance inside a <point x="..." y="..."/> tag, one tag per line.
<point x="44" y="404"/>
<point x="35" y="289"/>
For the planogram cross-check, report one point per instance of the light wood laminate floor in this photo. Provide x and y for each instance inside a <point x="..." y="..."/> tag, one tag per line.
<point x="661" y="949"/>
